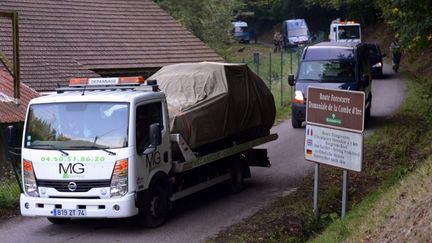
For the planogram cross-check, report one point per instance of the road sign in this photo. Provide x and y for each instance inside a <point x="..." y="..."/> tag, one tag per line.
<point x="334" y="133"/>
<point x="334" y="147"/>
<point x="342" y="109"/>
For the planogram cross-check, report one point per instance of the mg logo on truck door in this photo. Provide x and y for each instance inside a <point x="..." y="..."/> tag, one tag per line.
<point x="153" y="160"/>
<point x="71" y="169"/>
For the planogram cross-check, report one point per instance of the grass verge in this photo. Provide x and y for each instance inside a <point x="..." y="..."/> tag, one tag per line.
<point x="389" y="155"/>
<point x="273" y="68"/>
<point x="9" y="197"/>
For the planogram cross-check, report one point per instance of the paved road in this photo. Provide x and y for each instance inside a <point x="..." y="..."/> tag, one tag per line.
<point x="202" y="215"/>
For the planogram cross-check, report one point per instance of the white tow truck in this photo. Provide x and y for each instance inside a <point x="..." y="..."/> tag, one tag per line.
<point x="102" y="148"/>
<point x="345" y="31"/>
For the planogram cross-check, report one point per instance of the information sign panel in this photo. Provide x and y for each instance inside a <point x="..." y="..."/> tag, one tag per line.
<point x="338" y="148"/>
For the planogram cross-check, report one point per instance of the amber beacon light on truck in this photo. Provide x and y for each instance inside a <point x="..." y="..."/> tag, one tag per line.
<point x="106" y="81"/>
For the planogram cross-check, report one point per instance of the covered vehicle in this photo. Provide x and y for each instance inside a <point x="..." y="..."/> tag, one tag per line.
<point x="216" y="102"/>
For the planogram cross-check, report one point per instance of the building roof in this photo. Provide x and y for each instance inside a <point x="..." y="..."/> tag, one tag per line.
<point x="75" y="38"/>
<point x="10" y="112"/>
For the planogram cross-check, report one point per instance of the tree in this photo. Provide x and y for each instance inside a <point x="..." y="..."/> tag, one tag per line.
<point x="411" y="20"/>
<point x="209" y="20"/>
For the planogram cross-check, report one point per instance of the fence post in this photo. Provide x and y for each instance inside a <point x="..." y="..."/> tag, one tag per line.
<point x="291" y="62"/>
<point x="256" y="61"/>
<point x="281" y="79"/>
<point x="270" y="70"/>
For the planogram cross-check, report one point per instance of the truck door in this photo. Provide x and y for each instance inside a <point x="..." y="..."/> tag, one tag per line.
<point x="149" y="162"/>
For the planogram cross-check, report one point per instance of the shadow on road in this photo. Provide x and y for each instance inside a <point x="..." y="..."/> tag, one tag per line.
<point x="181" y="208"/>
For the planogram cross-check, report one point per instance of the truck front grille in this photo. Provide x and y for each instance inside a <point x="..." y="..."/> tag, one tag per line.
<point x="81" y="186"/>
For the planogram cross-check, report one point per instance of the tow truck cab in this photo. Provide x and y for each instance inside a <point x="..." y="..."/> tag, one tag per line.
<point x="345" y="31"/>
<point x="87" y="152"/>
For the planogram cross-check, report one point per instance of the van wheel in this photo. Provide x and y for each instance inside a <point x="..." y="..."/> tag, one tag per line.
<point x="156" y="210"/>
<point x="296" y="123"/>
<point x="367" y="115"/>
<point x="236" y="183"/>
<point x="59" y="220"/>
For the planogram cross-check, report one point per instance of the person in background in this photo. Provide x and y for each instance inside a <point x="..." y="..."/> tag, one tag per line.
<point x="277" y="41"/>
<point x="395" y="49"/>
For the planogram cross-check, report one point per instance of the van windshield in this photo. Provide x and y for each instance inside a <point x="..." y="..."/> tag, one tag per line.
<point x="340" y="71"/>
<point x="77" y="126"/>
<point x="297" y="28"/>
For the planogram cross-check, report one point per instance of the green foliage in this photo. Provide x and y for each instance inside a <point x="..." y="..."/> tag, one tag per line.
<point x="9" y="194"/>
<point x="209" y="20"/>
<point x="411" y="20"/>
<point x="363" y="11"/>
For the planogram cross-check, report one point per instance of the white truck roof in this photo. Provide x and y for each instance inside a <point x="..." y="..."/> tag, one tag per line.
<point x="117" y="95"/>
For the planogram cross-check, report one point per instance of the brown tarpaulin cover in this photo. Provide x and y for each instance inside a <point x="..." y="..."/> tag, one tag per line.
<point x="211" y="101"/>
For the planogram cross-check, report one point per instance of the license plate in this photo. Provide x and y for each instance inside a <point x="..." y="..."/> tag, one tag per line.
<point x="69" y="212"/>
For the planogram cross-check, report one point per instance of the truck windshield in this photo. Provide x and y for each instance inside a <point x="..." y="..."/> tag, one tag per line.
<point x="77" y="126"/>
<point x="349" y="32"/>
<point x="341" y="71"/>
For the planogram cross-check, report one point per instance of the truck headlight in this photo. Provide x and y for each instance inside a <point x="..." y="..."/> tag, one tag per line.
<point x="119" y="179"/>
<point x="30" y="185"/>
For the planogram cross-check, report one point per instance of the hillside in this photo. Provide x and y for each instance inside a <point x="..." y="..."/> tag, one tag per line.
<point x="391" y="154"/>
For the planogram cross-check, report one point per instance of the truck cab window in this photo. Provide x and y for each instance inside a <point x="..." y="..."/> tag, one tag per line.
<point x="145" y="116"/>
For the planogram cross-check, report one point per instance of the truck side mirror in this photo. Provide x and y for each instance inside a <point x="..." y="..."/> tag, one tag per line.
<point x="155" y="135"/>
<point x="11" y="136"/>
<point x="291" y="80"/>
<point x="365" y="80"/>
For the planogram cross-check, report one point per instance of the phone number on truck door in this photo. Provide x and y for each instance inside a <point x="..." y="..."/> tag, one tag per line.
<point x="73" y="158"/>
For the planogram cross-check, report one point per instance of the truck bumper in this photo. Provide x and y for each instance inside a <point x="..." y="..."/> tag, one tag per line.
<point x="95" y="208"/>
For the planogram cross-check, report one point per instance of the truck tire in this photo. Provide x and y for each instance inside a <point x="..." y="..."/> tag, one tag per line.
<point x="236" y="183"/>
<point x="59" y="220"/>
<point x="156" y="210"/>
<point x="296" y="123"/>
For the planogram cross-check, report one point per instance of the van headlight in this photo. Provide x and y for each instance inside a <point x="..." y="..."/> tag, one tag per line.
<point x="298" y="97"/>
<point x="119" y="179"/>
<point x="377" y="65"/>
<point x="30" y="185"/>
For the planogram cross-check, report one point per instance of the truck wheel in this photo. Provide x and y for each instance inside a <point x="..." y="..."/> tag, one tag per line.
<point x="296" y="123"/>
<point x="156" y="212"/>
<point x="236" y="183"/>
<point x="59" y="220"/>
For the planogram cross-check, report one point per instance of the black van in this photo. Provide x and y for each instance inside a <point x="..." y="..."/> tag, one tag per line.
<point x="336" y="65"/>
